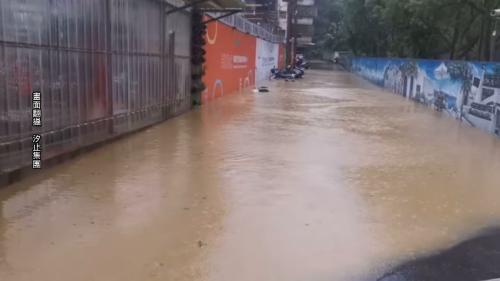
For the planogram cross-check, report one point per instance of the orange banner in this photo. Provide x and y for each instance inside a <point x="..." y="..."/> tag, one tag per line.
<point x="230" y="61"/>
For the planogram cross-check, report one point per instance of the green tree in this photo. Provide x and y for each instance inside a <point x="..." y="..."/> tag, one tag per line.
<point x="441" y="29"/>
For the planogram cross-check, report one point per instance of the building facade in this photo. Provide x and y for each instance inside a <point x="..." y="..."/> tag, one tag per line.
<point x="296" y="20"/>
<point x="303" y="23"/>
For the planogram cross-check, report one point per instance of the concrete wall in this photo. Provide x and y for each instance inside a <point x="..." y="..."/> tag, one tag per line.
<point x="230" y="60"/>
<point x="467" y="91"/>
<point x="267" y="56"/>
<point x="236" y="60"/>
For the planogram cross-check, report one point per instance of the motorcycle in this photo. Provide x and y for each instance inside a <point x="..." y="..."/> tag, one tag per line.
<point x="287" y="74"/>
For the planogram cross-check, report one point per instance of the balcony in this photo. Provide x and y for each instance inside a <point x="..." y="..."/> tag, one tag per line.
<point x="283" y="24"/>
<point x="307" y="12"/>
<point x="305" y="2"/>
<point x="305" y="21"/>
<point x="304" y="41"/>
<point x="303" y="30"/>
<point x="283" y="6"/>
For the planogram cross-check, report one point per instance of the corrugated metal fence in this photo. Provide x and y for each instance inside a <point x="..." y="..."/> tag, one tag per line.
<point x="103" y="67"/>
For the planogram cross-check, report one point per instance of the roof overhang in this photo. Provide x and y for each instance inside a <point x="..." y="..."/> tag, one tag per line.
<point x="219" y="4"/>
<point x="229" y="6"/>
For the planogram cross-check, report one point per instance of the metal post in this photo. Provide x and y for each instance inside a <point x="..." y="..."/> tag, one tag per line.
<point x="109" y="68"/>
<point x="163" y="82"/>
<point x="289" y="32"/>
<point x="294" y="45"/>
<point x="172" y="89"/>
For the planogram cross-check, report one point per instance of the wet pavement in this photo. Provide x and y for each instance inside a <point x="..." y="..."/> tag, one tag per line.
<point x="474" y="259"/>
<point x="328" y="178"/>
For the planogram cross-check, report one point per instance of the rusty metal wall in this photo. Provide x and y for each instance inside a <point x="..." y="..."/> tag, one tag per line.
<point x="103" y="67"/>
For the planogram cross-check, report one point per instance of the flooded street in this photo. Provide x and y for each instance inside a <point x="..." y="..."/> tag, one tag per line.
<point x="327" y="178"/>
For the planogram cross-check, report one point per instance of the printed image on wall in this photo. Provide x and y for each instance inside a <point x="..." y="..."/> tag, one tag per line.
<point x="230" y="60"/>
<point x="469" y="91"/>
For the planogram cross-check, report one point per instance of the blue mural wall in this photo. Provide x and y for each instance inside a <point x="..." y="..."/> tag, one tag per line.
<point x="468" y="91"/>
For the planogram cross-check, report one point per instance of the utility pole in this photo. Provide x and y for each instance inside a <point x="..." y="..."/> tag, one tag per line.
<point x="294" y="47"/>
<point x="291" y="41"/>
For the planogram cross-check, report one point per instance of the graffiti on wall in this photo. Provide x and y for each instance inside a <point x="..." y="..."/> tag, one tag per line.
<point x="265" y="59"/>
<point x="468" y="91"/>
<point x="230" y="60"/>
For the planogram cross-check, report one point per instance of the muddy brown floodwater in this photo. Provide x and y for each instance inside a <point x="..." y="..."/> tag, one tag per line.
<point x="328" y="178"/>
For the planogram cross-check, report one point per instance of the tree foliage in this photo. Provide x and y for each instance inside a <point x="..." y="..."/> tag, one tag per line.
<point x="440" y="29"/>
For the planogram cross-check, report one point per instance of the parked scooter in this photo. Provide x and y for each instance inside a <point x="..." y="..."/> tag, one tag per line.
<point x="288" y="74"/>
<point x="301" y="63"/>
<point x="299" y="72"/>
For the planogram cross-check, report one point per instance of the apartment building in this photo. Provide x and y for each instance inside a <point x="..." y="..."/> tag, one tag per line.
<point x="296" y="19"/>
<point x="302" y="23"/>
